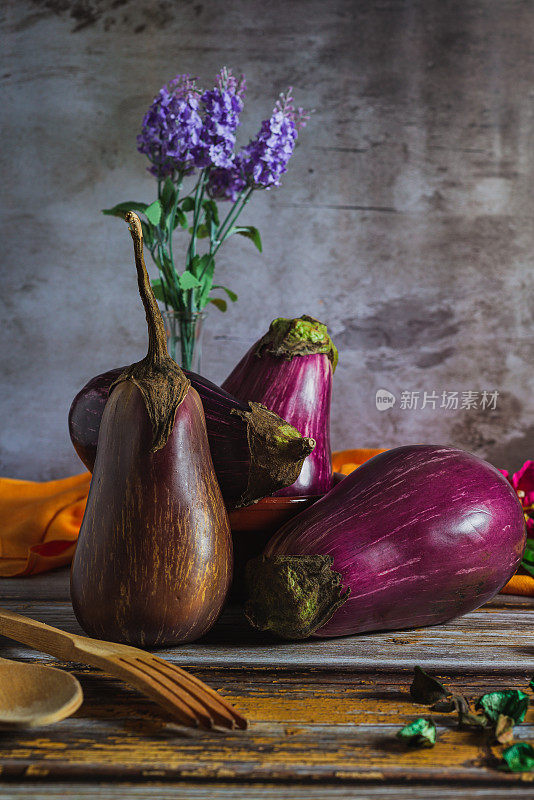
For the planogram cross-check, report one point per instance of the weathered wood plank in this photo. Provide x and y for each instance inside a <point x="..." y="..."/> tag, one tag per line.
<point x="491" y="638"/>
<point x="257" y="791"/>
<point x="305" y="726"/>
<point x="53" y="585"/>
<point x="321" y="710"/>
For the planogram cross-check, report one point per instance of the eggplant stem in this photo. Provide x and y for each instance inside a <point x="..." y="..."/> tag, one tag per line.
<point x="158" y="377"/>
<point x="157" y="339"/>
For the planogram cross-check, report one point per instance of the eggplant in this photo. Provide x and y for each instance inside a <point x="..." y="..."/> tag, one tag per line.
<point x="153" y="563"/>
<point x="290" y="370"/>
<point x="415" y="536"/>
<point x="254" y="451"/>
<point x="85" y="414"/>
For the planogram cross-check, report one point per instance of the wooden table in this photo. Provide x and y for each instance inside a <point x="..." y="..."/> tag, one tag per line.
<point x="323" y="715"/>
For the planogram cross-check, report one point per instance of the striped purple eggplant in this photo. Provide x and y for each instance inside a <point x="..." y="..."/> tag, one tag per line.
<point x="290" y="370"/>
<point x="416" y="536"/>
<point x="254" y="451"/>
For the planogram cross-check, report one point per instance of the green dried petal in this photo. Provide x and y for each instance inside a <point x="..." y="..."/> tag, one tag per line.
<point x="419" y="733"/>
<point x="510" y="703"/>
<point x="519" y="757"/>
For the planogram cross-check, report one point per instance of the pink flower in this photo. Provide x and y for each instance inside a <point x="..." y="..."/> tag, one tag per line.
<point x="523" y="483"/>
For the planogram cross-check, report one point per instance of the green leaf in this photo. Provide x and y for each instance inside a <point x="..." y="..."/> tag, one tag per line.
<point x="157" y="288"/>
<point x="528" y="557"/>
<point x="148" y="234"/>
<point x="510" y="703"/>
<point x="531" y="684"/>
<point x="232" y="295"/>
<point x="180" y="219"/>
<point x="425" y="689"/>
<point x="519" y="758"/>
<point x="196" y="265"/>
<point x="250" y="232"/>
<point x="120" y="209"/>
<point x="211" y="210"/>
<point x="202" y="231"/>
<point x="153" y="212"/>
<point x="222" y="305"/>
<point x="168" y="195"/>
<point x="420" y="733"/>
<point x="188" y="204"/>
<point x="188" y="281"/>
<point x="208" y="267"/>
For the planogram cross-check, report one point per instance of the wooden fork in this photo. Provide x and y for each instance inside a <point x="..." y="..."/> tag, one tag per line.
<point x="187" y="698"/>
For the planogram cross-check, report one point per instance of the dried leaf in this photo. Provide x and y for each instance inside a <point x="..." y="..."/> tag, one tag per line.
<point x="519" y="758"/>
<point x="510" y="703"/>
<point x="504" y="729"/>
<point x="466" y="719"/>
<point x="444" y="706"/>
<point x="425" y="689"/>
<point x="419" y="733"/>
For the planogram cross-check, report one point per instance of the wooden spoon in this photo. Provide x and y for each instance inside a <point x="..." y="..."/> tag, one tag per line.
<point x="32" y="694"/>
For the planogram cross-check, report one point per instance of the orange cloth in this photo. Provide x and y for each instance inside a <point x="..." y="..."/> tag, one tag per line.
<point x="346" y="461"/>
<point x="39" y="523"/>
<point x="520" y="584"/>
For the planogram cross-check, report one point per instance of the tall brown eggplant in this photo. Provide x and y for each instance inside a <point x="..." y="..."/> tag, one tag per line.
<point x="154" y="558"/>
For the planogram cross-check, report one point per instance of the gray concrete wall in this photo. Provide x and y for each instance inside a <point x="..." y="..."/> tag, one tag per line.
<point x="404" y="222"/>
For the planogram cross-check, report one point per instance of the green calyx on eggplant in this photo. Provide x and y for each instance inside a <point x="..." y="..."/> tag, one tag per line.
<point x="302" y="336"/>
<point x="153" y="562"/>
<point x="255" y="452"/>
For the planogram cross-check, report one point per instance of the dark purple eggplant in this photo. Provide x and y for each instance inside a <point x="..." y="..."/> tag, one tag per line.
<point x="254" y="451"/>
<point x="290" y="371"/>
<point x="153" y="562"/>
<point x="85" y="414"/>
<point x="415" y="536"/>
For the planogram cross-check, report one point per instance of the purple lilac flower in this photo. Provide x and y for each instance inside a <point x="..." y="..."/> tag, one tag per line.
<point x="227" y="183"/>
<point x="172" y="127"/>
<point x="222" y="107"/>
<point x="265" y="158"/>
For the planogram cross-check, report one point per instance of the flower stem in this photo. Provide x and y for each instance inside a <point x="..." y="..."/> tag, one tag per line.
<point x="227" y="218"/>
<point x="199" y="195"/>
<point x="235" y="211"/>
<point x="173" y="217"/>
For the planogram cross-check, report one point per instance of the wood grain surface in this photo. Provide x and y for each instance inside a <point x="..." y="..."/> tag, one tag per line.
<point x="323" y="715"/>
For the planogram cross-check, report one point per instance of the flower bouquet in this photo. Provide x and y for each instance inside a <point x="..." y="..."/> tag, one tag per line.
<point x="191" y="133"/>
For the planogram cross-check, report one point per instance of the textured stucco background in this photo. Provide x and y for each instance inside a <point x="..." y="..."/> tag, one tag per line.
<point x="404" y="222"/>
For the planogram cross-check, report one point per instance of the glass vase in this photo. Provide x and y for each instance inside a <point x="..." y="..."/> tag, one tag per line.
<point x="184" y="336"/>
